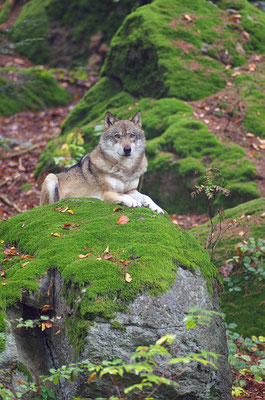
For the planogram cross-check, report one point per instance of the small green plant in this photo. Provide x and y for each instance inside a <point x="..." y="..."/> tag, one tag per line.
<point x="210" y="190"/>
<point x="247" y="265"/>
<point x="71" y="151"/>
<point x="143" y="365"/>
<point x="240" y="351"/>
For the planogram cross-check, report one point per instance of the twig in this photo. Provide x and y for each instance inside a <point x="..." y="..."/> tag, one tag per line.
<point x="116" y="386"/>
<point x="20" y="152"/>
<point x="9" y="203"/>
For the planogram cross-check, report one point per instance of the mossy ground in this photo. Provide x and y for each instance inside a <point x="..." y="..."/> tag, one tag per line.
<point x="245" y="308"/>
<point x="149" y="247"/>
<point x="181" y="55"/>
<point x="40" y="22"/>
<point x="5" y="11"/>
<point x="30" y="88"/>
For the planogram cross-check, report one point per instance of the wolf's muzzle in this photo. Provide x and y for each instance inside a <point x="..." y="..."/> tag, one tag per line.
<point x="127" y="150"/>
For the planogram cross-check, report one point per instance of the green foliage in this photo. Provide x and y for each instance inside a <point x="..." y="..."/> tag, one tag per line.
<point x="197" y="316"/>
<point x="33" y="88"/>
<point x="143" y="365"/>
<point x="240" y="360"/>
<point x="248" y="265"/>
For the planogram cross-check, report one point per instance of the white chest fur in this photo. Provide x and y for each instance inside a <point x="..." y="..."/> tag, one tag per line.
<point x="120" y="186"/>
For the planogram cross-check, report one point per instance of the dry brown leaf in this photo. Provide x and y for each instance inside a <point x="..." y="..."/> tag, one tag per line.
<point x="108" y="257"/>
<point x="48" y="324"/>
<point x="252" y="67"/>
<point x="117" y="209"/>
<point x="24" y="264"/>
<point x="56" y="234"/>
<point x="46" y="307"/>
<point x="106" y="250"/>
<point x="123" y="220"/>
<point x="70" y="212"/>
<point x="187" y="17"/>
<point x="92" y="377"/>
<point x="81" y="256"/>
<point x="241" y="233"/>
<point x="128" y="277"/>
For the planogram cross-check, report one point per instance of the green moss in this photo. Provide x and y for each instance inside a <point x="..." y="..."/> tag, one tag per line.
<point x="239" y="306"/>
<point x="5" y="11"/>
<point x="46" y="27"/>
<point x="252" y="88"/>
<point x="118" y="325"/>
<point x="2" y="330"/>
<point x="33" y="88"/>
<point x="30" y="32"/>
<point x="181" y="155"/>
<point x="94" y="286"/>
<point x="161" y="53"/>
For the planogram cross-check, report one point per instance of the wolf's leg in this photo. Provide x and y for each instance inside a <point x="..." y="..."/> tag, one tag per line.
<point x="49" y="190"/>
<point x="145" y="201"/>
<point x="123" y="199"/>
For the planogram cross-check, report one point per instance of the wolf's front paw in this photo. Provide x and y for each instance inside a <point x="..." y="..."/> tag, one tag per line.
<point x="153" y="206"/>
<point x="130" y="202"/>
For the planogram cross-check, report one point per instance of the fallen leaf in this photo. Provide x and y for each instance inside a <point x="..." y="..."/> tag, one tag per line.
<point x="56" y="333"/>
<point x="106" y="250"/>
<point x="20" y="382"/>
<point x="92" y="377"/>
<point x="123" y="220"/>
<point x="108" y="257"/>
<point x="117" y="209"/>
<point x="186" y="17"/>
<point x="255" y="146"/>
<point x="48" y="324"/>
<point x="125" y="262"/>
<point x="25" y="256"/>
<point x="69" y="226"/>
<point x="70" y="211"/>
<point x="235" y="19"/>
<point x="2" y="241"/>
<point x="241" y="233"/>
<point x="24" y="264"/>
<point x="81" y="256"/>
<point x="43" y="327"/>
<point x="19" y="61"/>
<point x="261" y="141"/>
<point x="250" y="135"/>
<point x="3" y="284"/>
<point x="56" y="234"/>
<point x="262" y="146"/>
<point x="128" y="277"/>
<point x="226" y="270"/>
<point x="46" y="307"/>
<point x="252" y="67"/>
<point x="263" y="215"/>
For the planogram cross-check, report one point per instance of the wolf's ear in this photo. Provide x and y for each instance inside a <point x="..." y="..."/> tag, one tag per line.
<point x="136" y="119"/>
<point x="109" y="119"/>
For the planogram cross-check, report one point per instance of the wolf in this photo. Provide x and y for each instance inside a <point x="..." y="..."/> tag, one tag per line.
<point x="110" y="172"/>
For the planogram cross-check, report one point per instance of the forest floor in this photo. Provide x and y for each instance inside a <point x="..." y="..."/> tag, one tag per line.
<point x="31" y="130"/>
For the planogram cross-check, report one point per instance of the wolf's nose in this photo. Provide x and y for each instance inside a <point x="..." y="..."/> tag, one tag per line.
<point x="127" y="150"/>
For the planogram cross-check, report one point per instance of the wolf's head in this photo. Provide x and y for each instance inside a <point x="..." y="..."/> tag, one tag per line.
<point x="123" y="138"/>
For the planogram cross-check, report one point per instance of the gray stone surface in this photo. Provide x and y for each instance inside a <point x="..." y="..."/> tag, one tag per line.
<point x="146" y="320"/>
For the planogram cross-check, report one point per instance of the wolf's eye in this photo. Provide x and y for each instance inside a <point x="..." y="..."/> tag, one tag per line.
<point x="117" y="136"/>
<point x="132" y="135"/>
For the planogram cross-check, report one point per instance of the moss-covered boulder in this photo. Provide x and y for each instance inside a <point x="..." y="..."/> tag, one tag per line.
<point x="246" y="221"/>
<point x="179" y="48"/>
<point x="58" y="33"/>
<point x="73" y="263"/>
<point x="31" y="88"/>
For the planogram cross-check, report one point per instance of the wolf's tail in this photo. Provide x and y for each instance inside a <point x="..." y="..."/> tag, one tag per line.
<point x="50" y="190"/>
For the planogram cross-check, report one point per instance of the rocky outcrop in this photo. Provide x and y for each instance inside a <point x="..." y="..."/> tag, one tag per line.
<point x="85" y="296"/>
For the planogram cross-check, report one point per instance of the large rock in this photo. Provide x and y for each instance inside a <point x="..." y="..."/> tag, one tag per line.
<point x="89" y="297"/>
